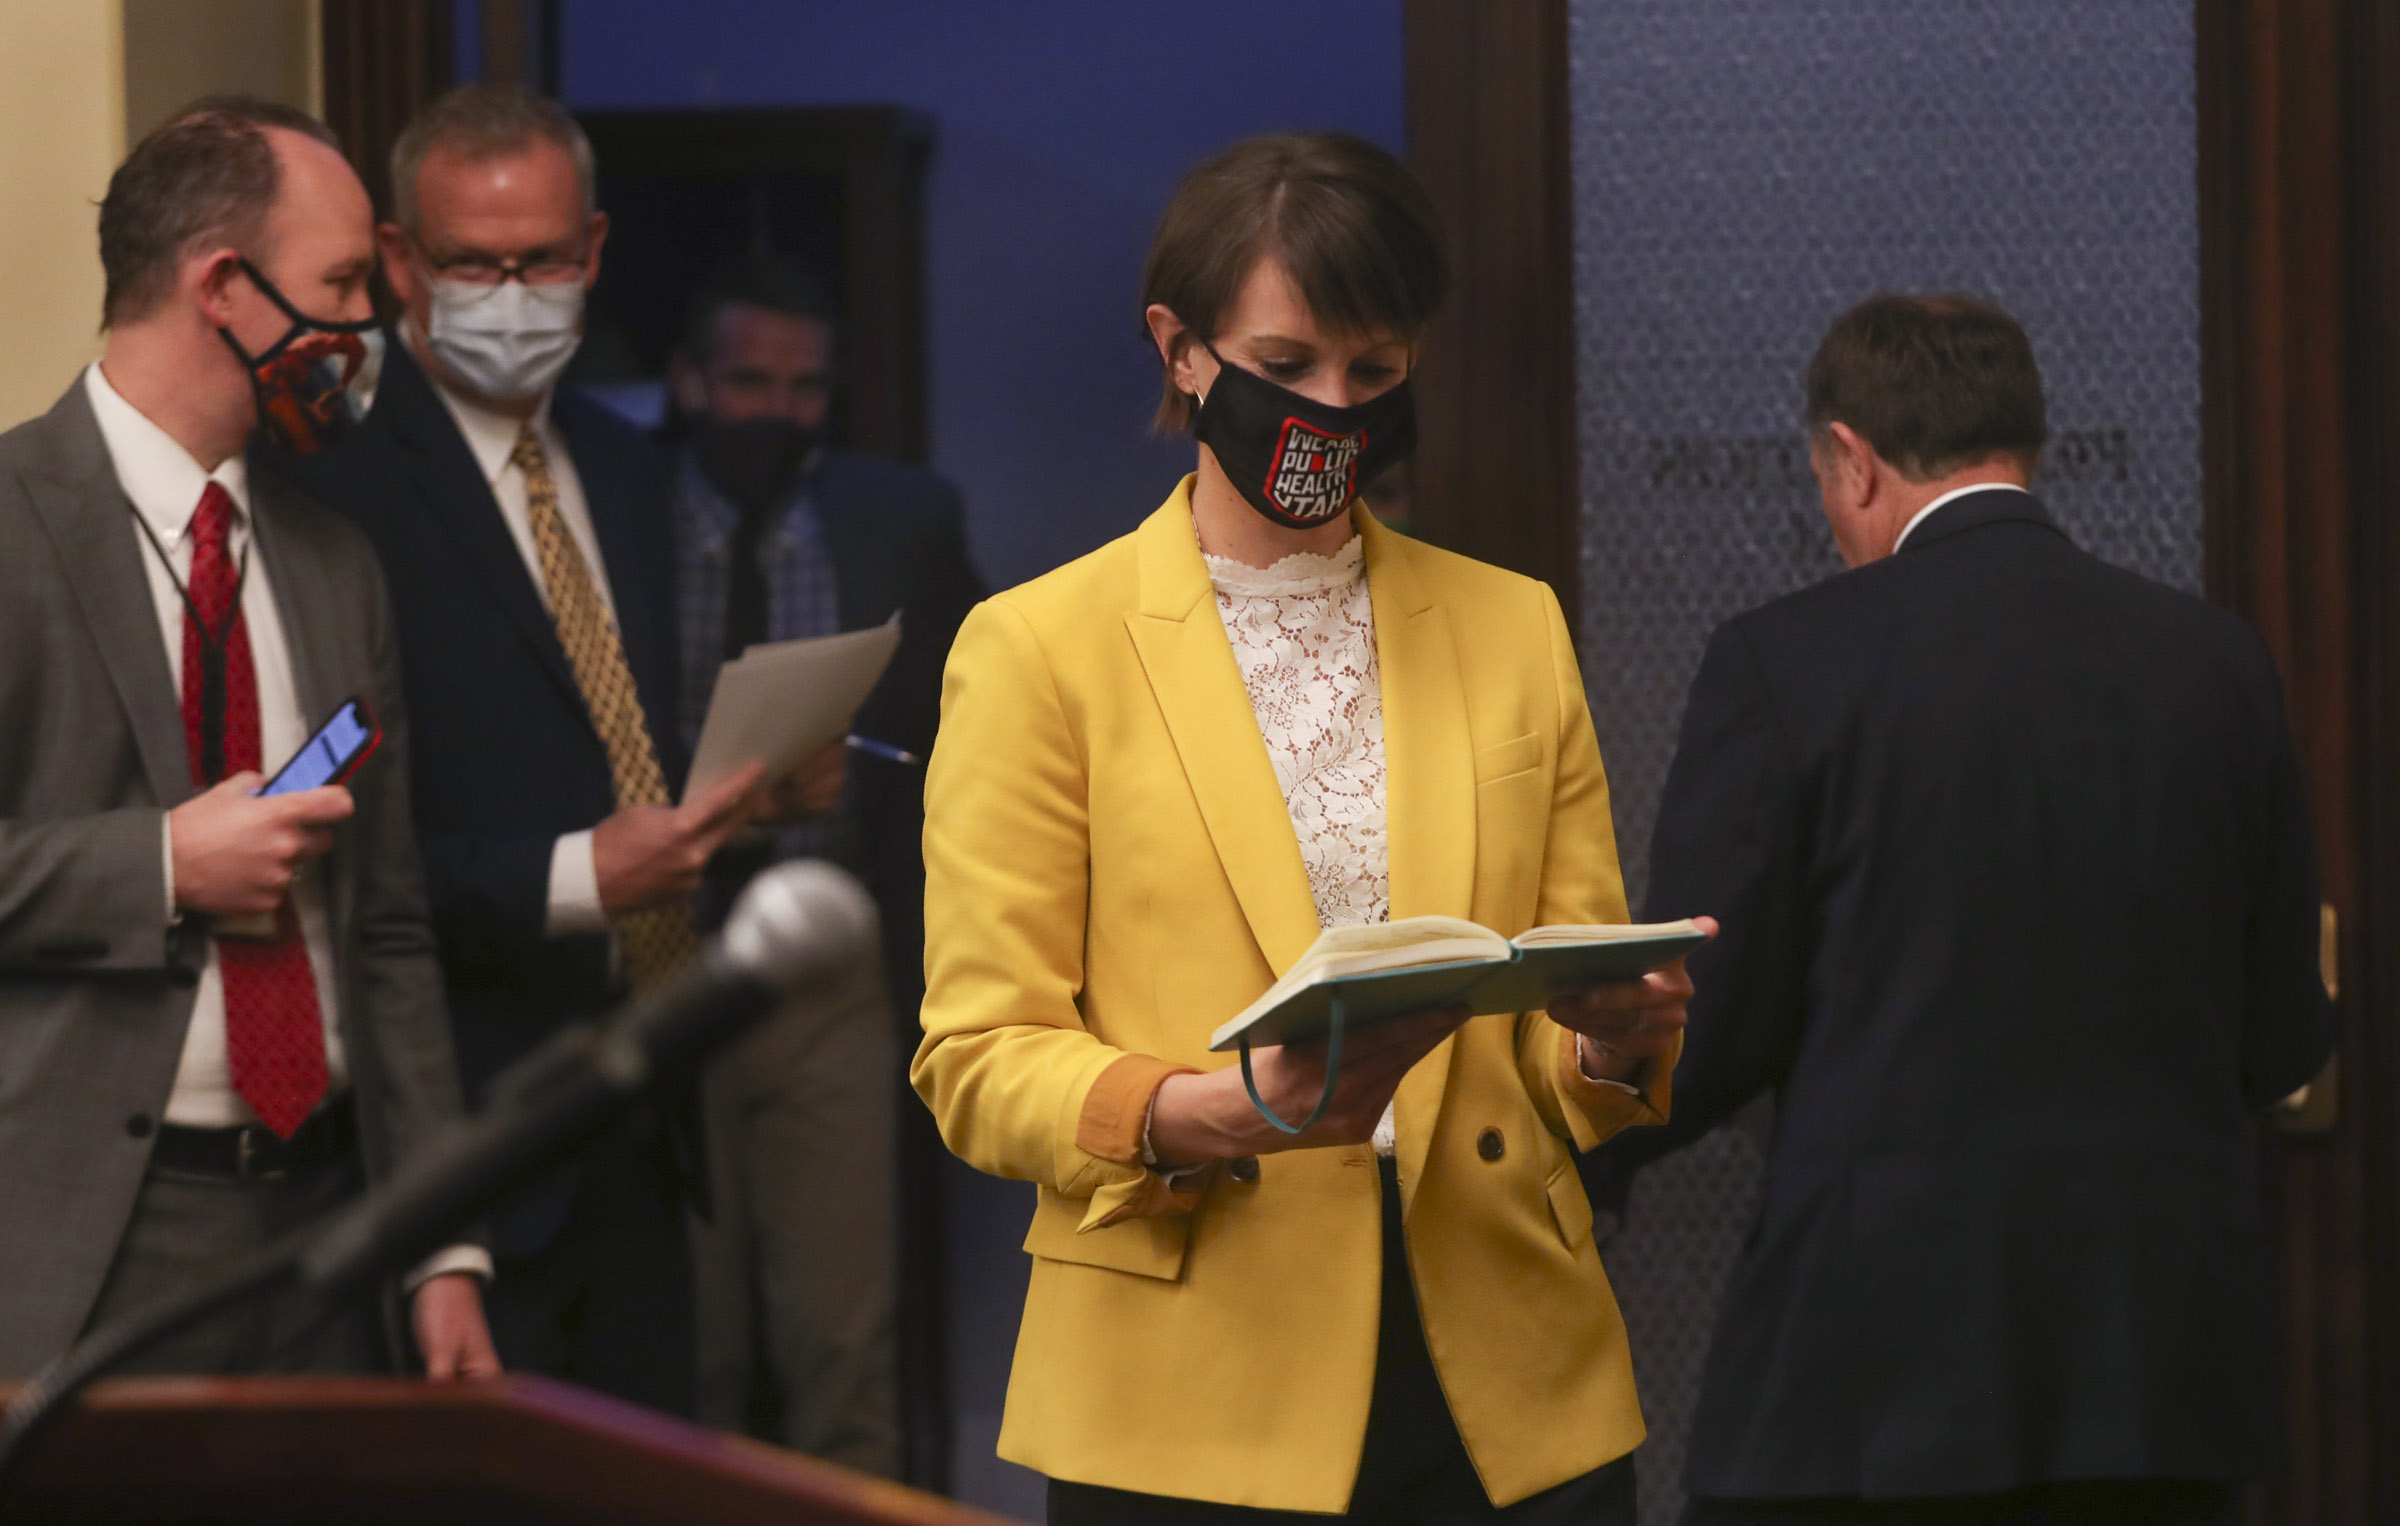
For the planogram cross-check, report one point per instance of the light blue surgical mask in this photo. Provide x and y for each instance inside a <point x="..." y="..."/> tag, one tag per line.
<point x="507" y="342"/>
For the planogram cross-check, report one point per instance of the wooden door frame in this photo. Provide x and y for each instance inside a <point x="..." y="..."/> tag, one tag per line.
<point x="1496" y="466"/>
<point x="880" y="155"/>
<point x="2300" y="293"/>
<point x="382" y="60"/>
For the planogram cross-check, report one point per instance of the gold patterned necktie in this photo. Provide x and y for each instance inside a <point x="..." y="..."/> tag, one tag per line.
<point x="658" y="940"/>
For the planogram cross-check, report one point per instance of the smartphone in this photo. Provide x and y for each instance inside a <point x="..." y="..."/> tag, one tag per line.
<point x="333" y="754"/>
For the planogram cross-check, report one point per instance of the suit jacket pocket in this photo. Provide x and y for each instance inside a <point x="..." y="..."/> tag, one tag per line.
<point x="1569" y="1207"/>
<point x="1144" y="1247"/>
<point x="1516" y="756"/>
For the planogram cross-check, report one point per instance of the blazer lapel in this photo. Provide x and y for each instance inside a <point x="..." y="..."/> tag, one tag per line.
<point x="1198" y="687"/>
<point x="453" y="489"/>
<point x="90" y="521"/>
<point x="1429" y="755"/>
<point x="303" y="603"/>
<point x="1429" y="789"/>
<point x="312" y="616"/>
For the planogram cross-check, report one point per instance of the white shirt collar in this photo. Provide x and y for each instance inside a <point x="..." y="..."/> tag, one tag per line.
<point x="1956" y="492"/>
<point x="158" y="475"/>
<point x="491" y="437"/>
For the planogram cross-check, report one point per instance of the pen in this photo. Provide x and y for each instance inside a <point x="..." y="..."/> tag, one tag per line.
<point x="883" y="750"/>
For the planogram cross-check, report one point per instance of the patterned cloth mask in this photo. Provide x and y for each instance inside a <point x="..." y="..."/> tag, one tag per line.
<point x="317" y="380"/>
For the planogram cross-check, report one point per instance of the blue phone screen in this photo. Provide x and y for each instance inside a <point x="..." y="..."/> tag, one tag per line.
<point x="320" y="759"/>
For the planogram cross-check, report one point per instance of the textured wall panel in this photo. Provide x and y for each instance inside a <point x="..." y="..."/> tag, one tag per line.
<point x="1744" y="169"/>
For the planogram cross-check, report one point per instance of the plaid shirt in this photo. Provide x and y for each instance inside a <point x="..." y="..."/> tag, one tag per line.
<point x="801" y="601"/>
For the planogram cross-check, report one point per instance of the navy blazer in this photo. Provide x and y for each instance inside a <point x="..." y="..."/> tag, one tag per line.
<point x="504" y="754"/>
<point x="2020" y="926"/>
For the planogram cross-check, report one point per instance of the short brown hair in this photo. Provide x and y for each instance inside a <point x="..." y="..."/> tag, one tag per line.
<point x="1934" y="383"/>
<point x="1356" y="230"/>
<point x="769" y="282"/>
<point x="486" y="121"/>
<point x="207" y="176"/>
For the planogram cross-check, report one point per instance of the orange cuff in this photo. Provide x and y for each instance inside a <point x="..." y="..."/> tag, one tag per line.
<point x="1117" y="1108"/>
<point x="1147" y="1196"/>
<point x="1597" y="1109"/>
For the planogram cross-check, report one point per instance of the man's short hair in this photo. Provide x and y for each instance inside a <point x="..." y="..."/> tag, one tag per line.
<point x="483" y="121"/>
<point x="770" y="282"/>
<point x="207" y="178"/>
<point x="1934" y="383"/>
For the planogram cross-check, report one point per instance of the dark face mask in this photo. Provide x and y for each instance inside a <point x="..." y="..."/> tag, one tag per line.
<point x="1297" y="461"/>
<point x="753" y="463"/>
<point x="316" y="381"/>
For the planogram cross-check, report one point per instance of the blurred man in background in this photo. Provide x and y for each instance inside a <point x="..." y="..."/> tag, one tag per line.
<point x="526" y="537"/>
<point x="2020" y="927"/>
<point x="222" y="1014"/>
<point x="783" y="534"/>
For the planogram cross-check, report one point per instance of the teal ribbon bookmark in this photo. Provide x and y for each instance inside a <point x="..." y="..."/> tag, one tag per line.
<point x="1333" y="1074"/>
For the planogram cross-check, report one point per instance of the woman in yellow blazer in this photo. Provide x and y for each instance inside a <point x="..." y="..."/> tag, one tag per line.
<point x="1162" y="770"/>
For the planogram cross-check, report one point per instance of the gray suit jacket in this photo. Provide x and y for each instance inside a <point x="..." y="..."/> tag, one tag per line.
<point x="96" y="987"/>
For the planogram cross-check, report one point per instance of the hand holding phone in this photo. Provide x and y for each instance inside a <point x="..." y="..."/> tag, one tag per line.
<point x="263" y="853"/>
<point x="333" y="754"/>
<point x="235" y="853"/>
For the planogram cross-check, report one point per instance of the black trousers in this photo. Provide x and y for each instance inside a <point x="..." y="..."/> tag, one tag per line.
<point x="1414" y="1470"/>
<point x="2095" y="1502"/>
<point x="608" y="1303"/>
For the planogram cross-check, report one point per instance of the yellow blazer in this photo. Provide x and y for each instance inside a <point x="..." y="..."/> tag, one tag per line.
<point x="1110" y="874"/>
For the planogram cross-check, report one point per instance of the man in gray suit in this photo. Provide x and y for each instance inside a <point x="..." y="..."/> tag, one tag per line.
<point x="220" y="1013"/>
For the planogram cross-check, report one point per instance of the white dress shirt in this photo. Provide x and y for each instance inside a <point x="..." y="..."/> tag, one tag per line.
<point x="574" y="905"/>
<point x="164" y="484"/>
<point x="1926" y="512"/>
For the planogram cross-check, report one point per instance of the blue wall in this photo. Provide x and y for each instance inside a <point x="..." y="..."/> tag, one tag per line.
<point x="1061" y="126"/>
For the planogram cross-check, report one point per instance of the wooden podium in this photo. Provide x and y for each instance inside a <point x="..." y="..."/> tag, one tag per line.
<point x="511" y="1450"/>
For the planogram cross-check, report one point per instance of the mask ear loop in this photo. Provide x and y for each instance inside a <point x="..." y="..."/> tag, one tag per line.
<point x="301" y="322"/>
<point x="1333" y="1074"/>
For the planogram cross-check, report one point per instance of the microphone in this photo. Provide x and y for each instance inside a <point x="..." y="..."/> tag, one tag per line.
<point x="797" y="924"/>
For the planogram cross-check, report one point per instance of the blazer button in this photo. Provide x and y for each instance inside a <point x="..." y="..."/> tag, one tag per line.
<point x="1244" y="1168"/>
<point x="139" y="1125"/>
<point x="1490" y="1145"/>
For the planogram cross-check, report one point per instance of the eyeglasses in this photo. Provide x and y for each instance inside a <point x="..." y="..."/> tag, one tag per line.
<point x="543" y="267"/>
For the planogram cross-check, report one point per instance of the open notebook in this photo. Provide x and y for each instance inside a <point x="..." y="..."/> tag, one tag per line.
<point x="1389" y="969"/>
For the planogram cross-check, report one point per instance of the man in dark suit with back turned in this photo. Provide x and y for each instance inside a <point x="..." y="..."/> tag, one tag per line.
<point x="2020" y="927"/>
<point x="525" y="534"/>
<point x="220" y="1014"/>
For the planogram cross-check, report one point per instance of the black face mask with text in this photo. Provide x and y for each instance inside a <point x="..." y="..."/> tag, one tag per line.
<point x="1297" y="461"/>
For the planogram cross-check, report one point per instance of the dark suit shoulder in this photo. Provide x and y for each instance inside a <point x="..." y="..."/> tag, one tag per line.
<point x="603" y="439"/>
<point x="1920" y="585"/>
<point x="301" y="512"/>
<point x="844" y="475"/>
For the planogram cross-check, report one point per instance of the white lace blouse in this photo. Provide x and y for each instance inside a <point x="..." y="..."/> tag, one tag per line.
<point x="1303" y="632"/>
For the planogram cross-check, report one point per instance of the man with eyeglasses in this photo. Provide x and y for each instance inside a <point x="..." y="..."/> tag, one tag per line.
<point x="525" y="533"/>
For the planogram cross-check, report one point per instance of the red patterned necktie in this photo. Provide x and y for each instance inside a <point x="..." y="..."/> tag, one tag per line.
<point x="274" y="1029"/>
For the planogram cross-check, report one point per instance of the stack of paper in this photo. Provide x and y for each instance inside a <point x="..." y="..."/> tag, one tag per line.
<point x="779" y="702"/>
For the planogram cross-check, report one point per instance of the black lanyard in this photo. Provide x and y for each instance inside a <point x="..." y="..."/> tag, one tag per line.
<point x="213" y="645"/>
